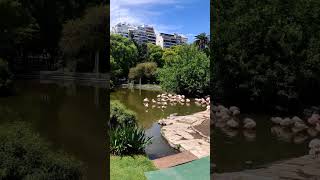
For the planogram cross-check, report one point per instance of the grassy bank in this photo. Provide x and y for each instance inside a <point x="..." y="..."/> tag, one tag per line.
<point x="130" y="167"/>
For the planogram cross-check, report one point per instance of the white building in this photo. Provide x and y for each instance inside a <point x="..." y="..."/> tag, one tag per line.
<point x="123" y="29"/>
<point x="141" y="34"/>
<point x="168" y="40"/>
<point x="146" y="34"/>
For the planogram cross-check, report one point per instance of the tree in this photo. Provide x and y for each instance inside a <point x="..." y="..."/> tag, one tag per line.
<point x="143" y="71"/>
<point x="5" y="78"/>
<point x="86" y="35"/>
<point x="18" y="29"/>
<point x="155" y="54"/>
<point x="267" y="52"/>
<point x="125" y="54"/>
<point x="202" y="41"/>
<point x="186" y="72"/>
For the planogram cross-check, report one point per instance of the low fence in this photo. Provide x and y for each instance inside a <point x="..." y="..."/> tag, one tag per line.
<point x="71" y="76"/>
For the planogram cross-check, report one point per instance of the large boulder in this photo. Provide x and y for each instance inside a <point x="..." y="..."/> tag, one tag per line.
<point x="249" y="123"/>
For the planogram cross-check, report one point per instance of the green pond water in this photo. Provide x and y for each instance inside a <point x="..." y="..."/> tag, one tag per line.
<point x="70" y="116"/>
<point x="236" y="150"/>
<point x="149" y="116"/>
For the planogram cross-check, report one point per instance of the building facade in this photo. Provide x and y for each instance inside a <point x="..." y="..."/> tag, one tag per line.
<point x="139" y="33"/>
<point x="168" y="40"/>
<point x="146" y="34"/>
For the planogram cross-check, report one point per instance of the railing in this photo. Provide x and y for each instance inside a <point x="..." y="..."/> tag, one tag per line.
<point x="74" y="76"/>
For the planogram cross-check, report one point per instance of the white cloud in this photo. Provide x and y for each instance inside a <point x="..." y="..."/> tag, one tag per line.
<point x="137" y="12"/>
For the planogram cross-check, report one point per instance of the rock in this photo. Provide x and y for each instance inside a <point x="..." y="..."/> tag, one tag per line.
<point x="300" y="138"/>
<point x="214" y="108"/>
<point x="314" y="119"/>
<point x="312" y="132"/>
<point x="235" y="112"/>
<point x="145" y="100"/>
<point x="232" y="123"/>
<point x="249" y="123"/>
<point x="286" y="122"/>
<point x="220" y="107"/>
<point x="314" y="146"/>
<point x="297" y="119"/>
<point x="233" y="108"/>
<point x="276" y="120"/>
<point x="314" y="143"/>
<point x="282" y="133"/>
<point x="300" y="126"/>
<point x="317" y="127"/>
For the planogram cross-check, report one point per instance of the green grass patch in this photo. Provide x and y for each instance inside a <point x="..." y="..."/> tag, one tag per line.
<point x="130" y="167"/>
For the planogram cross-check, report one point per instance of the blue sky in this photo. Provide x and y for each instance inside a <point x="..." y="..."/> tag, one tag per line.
<point x="187" y="17"/>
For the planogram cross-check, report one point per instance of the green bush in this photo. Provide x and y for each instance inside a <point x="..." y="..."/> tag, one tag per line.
<point x="127" y="140"/>
<point x="125" y="136"/>
<point x="24" y="155"/>
<point x="5" y="78"/>
<point x="186" y="71"/>
<point x="120" y="115"/>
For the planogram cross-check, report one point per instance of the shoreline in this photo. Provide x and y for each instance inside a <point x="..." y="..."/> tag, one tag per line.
<point x="185" y="133"/>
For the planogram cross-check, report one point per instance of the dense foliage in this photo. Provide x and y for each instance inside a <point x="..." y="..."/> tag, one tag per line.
<point x="126" y="138"/>
<point x="5" y="78"/>
<point x="33" y="28"/>
<point x="155" y="54"/>
<point x="24" y="155"/>
<point x="267" y="52"/>
<point x="124" y="55"/>
<point x="186" y="71"/>
<point x="83" y="39"/>
<point x="120" y="115"/>
<point x="146" y="71"/>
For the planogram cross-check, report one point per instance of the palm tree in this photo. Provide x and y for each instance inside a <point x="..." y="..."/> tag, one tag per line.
<point x="202" y="40"/>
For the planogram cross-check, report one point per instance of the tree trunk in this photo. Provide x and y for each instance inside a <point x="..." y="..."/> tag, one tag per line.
<point x="96" y="63"/>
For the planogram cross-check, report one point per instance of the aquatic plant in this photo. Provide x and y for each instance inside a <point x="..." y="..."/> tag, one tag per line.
<point x="128" y="140"/>
<point x="126" y="137"/>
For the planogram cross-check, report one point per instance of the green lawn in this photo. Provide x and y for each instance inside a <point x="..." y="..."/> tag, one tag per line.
<point x="130" y="168"/>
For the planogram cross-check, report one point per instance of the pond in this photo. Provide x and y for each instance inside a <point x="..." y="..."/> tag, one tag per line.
<point x="70" y="116"/>
<point x="149" y="116"/>
<point x="236" y="150"/>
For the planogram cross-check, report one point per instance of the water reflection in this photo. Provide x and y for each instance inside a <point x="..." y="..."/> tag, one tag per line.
<point x="70" y="116"/>
<point x="148" y="116"/>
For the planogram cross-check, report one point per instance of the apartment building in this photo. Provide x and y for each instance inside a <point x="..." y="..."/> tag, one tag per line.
<point x="146" y="34"/>
<point x="123" y="29"/>
<point x="168" y="40"/>
<point x="139" y="33"/>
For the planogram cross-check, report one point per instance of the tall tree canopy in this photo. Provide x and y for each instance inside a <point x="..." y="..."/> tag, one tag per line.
<point x="124" y="52"/>
<point x="85" y="36"/>
<point x="268" y="52"/>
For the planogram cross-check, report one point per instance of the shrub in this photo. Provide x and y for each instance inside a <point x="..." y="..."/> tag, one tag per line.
<point x="24" y="155"/>
<point x="186" y="71"/>
<point x="128" y="139"/>
<point x="125" y="136"/>
<point x="5" y="78"/>
<point x="120" y="115"/>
